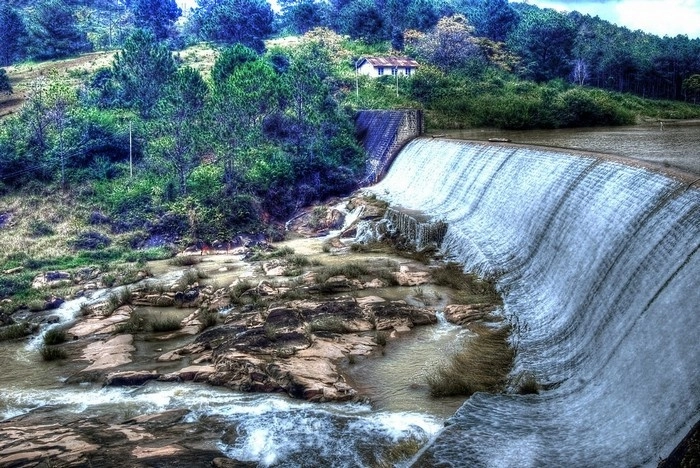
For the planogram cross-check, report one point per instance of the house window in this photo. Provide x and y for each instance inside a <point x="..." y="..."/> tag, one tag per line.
<point x="380" y="71"/>
<point x="394" y="71"/>
<point x="408" y="71"/>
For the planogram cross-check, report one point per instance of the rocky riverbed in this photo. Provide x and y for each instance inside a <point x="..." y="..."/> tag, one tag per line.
<point x="284" y="318"/>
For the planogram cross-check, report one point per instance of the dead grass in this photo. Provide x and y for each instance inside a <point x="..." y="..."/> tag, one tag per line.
<point x="71" y="69"/>
<point x="200" y="57"/>
<point x="482" y="365"/>
<point x="467" y="288"/>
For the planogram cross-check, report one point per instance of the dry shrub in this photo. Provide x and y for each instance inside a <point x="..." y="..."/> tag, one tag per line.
<point x="482" y="365"/>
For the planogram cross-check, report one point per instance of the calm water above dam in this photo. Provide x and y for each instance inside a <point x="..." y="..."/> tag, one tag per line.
<point x="677" y="145"/>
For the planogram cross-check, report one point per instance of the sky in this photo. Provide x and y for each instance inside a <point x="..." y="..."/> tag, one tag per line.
<point x="660" y="17"/>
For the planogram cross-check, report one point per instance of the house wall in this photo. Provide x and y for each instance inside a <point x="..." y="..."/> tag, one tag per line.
<point x="368" y="69"/>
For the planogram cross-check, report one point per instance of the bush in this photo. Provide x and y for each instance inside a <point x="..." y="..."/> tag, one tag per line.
<point x="52" y="353"/>
<point x="328" y="324"/>
<point x="91" y="240"/>
<point x="15" y="331"/>
<point x="238" y="289"/>
<point x="116" y="300"/>
<point x="481" y="366"/>
<point x="469" y="288"/>
<point x="136" y="323"/>
<point x="40" y="228"/>
<point x="54" y="336"/>
<point x="185" y="260"/>
<point x="207" y="318"/>
<point x="165" y="324"/>
<point x="11" y="285"/>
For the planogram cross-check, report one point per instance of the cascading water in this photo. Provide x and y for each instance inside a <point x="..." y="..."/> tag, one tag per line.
<point x="599" y="264"/>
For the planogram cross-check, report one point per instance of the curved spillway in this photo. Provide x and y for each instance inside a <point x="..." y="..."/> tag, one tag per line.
<point x="599" y="265"/>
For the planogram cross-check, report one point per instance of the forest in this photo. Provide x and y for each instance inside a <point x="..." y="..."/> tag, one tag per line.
<point x="156" y="147"/>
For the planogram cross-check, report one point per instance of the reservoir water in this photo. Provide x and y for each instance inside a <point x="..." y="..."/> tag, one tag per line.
<point x="673" y="144"/>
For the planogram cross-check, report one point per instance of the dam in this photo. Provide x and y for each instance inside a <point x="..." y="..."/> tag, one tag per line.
<point x="598" y="264"/>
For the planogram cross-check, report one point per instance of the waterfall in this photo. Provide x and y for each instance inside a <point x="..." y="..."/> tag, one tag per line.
<point x="599" y="266"/>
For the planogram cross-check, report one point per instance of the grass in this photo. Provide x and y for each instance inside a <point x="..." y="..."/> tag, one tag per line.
<point x="52" y="353"/>
<point x="207" y="318"/>
<point x="481" y="366"/>
<point x="189" y="278"/>
<point x="468" y="288"/>
<point x="328" y="324"/>
<point x="136" y="323"/>
<point x="85" y="310"/>
<point x="238" y="289"/>
<point x="349" y="270"/>
<point x="185" y="260"/>
<point x="399" y="452"/>
<point x="116" y="300"/>
<point x="380" y="337"/>
<point x="527" y="385"/>
<point x="15" y="331"/>
<point x="54" y="336"/>
<point x="283" y="251"/>
<point x="165" y="324"/>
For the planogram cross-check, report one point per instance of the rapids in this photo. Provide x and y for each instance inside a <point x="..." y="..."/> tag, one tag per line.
<point x="599" y="265"/>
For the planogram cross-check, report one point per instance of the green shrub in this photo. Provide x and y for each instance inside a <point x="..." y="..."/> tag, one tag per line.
<point x="185" y="260"/>
<point x="11" y="285"/>
<point x="349" y="270"/>
<point x="40" y="228"/>
<point x="136" y="323"/>
<point x="207" y="318"/>
<point x="52" y="353"/>
<point x="239" y="288"/>
<point x="15" y="331"/>
<point x="118" y="299"/>
<point x="468" y="288"/>
<point x="54" y="336"/>
<point x="37" y="305"/>
<point x="165" y="324"/>
<point x="380" y="337"/>
<point x="328" y="324"/>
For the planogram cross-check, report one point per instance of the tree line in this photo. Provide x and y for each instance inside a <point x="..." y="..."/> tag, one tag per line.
<point x="211" y="156"/>
<point x="546" y="44"/>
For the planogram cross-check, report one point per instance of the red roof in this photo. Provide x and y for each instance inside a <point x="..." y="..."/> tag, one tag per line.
<point x="403" y="62"/>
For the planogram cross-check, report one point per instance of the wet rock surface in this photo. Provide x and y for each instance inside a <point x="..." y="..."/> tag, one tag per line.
<point x="45" y="438"/>
<point x="288" y="327"/>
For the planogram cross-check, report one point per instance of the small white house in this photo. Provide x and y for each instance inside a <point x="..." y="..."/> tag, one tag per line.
<point x="375" y="67"/>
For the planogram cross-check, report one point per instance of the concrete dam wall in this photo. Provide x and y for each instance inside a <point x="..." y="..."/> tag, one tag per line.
<point x="598" y="262"/>
<point x="382" y="133"/>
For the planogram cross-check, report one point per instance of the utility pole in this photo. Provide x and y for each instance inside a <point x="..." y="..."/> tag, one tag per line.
<point x="396" y="71"/>
<point x="357" y="80"/>
<point x="131" y="160"/>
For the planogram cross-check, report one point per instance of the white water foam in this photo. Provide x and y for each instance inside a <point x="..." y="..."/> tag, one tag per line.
<point x="599" y="264"/>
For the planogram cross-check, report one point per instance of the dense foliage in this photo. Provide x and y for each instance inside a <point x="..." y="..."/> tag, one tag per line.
<point x="171" y="151"/>
<point x="548" y="45"/>
<point x="211" y="156"/>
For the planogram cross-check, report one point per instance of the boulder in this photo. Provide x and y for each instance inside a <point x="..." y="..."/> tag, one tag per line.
<point x="411" y="276"/>
<point x="464" y="314"/>
<point x="390" y="315"/>
<point x="108" y="354"/>
<point x="52" y="279"/>
<point x="130" y="378"/>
